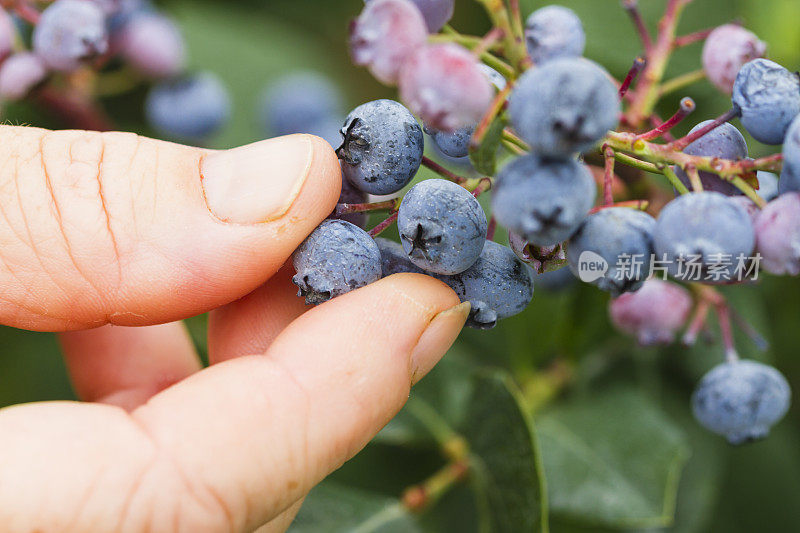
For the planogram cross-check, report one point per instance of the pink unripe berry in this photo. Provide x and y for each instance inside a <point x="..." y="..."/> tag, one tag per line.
<point x="385" y="35"/>
<point x="7" y="33"/>
<point x="778" y="235"/>
<point x="727" y="48"/>
<point x="445" y="86"/>
<point x="654" y="313"/>
<point x="19" y="74"/>
<point x="152" y="44"/>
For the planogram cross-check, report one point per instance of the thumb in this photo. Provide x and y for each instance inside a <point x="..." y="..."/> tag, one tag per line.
<point x="101" y="228"/>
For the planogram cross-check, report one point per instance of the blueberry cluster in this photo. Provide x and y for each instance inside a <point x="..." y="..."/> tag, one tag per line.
<point x="114" y="38"/>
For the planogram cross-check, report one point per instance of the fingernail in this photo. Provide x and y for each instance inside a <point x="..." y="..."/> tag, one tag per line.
<point x="439" y="336"/>
<point x="258" y="182"/>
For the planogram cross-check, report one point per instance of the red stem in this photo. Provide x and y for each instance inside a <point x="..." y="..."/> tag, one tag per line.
<point x="344" y="209"/>
<point x="492" y="228"/>
<point x="723" y="314"/>
<point x="683" y="142"/>
<point x="697" y="323"/>
<point x="443" y="172"/>
<point x="377" y="230"/>
<point x="657" y="121"/>
<point x="636" y="68"/>
<point x="608" y="176"/>
<point x="24" y="10"/>
<point x="489" y="40"/>
<point x="686" y="109"/>
<point x="641" y="205"/>
<point x="691" y="38"/>
<point x="632" y="7"/>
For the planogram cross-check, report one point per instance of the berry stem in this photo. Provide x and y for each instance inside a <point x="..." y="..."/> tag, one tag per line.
<point x="516" y="19"/>
<point x="487" y="42"/>
<point x="647" y="89"/>
<point x="656" y="121"/>
<point x="679" y="82"/>
<point x="608" y="176"/>
<point x="686" y="109"/>
<point x="482" y="185"/>
<point x="636" y="68"/>
<point x="377" y="230"/>
<point x="697" y="323"/>
<point x="691" y="38"/>
<point x="683" y="142"/>
<point x="488" y="117"/>
<point x="632" y="7"/>
<point x="674" y="180"/>
<point x="724" y="317"/>
<point x="344" y="209"/>
<point x="641" y="205"/>
<point x="443" y="172"/>
<point x="694" y="178"/>
<point x="417" y="498"/>
<point x="514" y="49"/>
<point x="512" y="137"/>
<point x="492" y="229"/>
<point x="743" y="186"/>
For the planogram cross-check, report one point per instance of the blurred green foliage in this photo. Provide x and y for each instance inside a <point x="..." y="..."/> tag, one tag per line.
<point x="618" y="448"/>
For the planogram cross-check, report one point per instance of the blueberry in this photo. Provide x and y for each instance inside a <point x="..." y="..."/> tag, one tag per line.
<point x="726" y="49"/>
<point x="394" y="259"/>
<point x="384" y="35"/>
<point x="498" y="286"/>
<point x="741" y="400"/>
<point x="299" y="103"/>
<point x="724" y="142"/>
<point x="442" y="226"/>
<point x="152" y="44"/>
<point x="654" y="313"/>
<point x="70" y="33"/>
<point x="453" y="144"/>
<point x="543" y="200"/>
<point x="192" y="107"/>
<point x="19" y="74"/>
<point x="565" y="106"/>
<point x="790" y="175"/>
<point x="623" y="237"/>
<point x="552" y="32"/>
<point x="702" y="236"/>
<point x="336" y="258"/>
<point x="768" y="96"/>
<point x="382" y="147"/>
<point x="778" y="235"/>
<point x="767" y="185"/>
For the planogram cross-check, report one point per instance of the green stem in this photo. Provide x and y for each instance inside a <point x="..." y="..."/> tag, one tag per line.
<point x="514" y="49"/>
<point x="674" y="180"/>
<point x="422" y="496"/>
<point x="679" y="82"/>
<point x="470" y="42"/>
<point x="453" y="445"/>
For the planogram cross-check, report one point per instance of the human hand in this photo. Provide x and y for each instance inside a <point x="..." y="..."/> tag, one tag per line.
<point x="102" y="231"/>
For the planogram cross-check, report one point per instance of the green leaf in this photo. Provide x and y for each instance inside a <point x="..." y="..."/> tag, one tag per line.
<point x="484" y="157"/>
<point x="337" y="509"/>
<point x="507" y="469"/>
<point x="612" y="459"/>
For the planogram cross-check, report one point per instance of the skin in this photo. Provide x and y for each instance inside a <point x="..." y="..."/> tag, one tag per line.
<point x="159" y="444"/>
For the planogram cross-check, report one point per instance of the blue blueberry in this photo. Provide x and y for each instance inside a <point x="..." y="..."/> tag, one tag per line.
<point x="555" y="280"/>
<point x="552" y="32"/>
<point x="790" y="175"/>
<point x="453" y="144"/>
<point x="336" y="258"/>
<point x="565" y="106"/>
<point x="498" y="286"/>
<point x="394" y="259"/>
<point x="768" y="96"/>
<point x="703" y="236"/>
<point x="442" y="226"/>
<point x="300" y="103"/>
<point x="767" y="185"/>
<point x="724" y="142"/>
<point x="193" y="107"/>
<point x="543" y="200"/>
<point x="70" y="33"/>
<point x="382" y="147"/>
<point x="621" y="236"/>
<point x="741" y="400"/>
